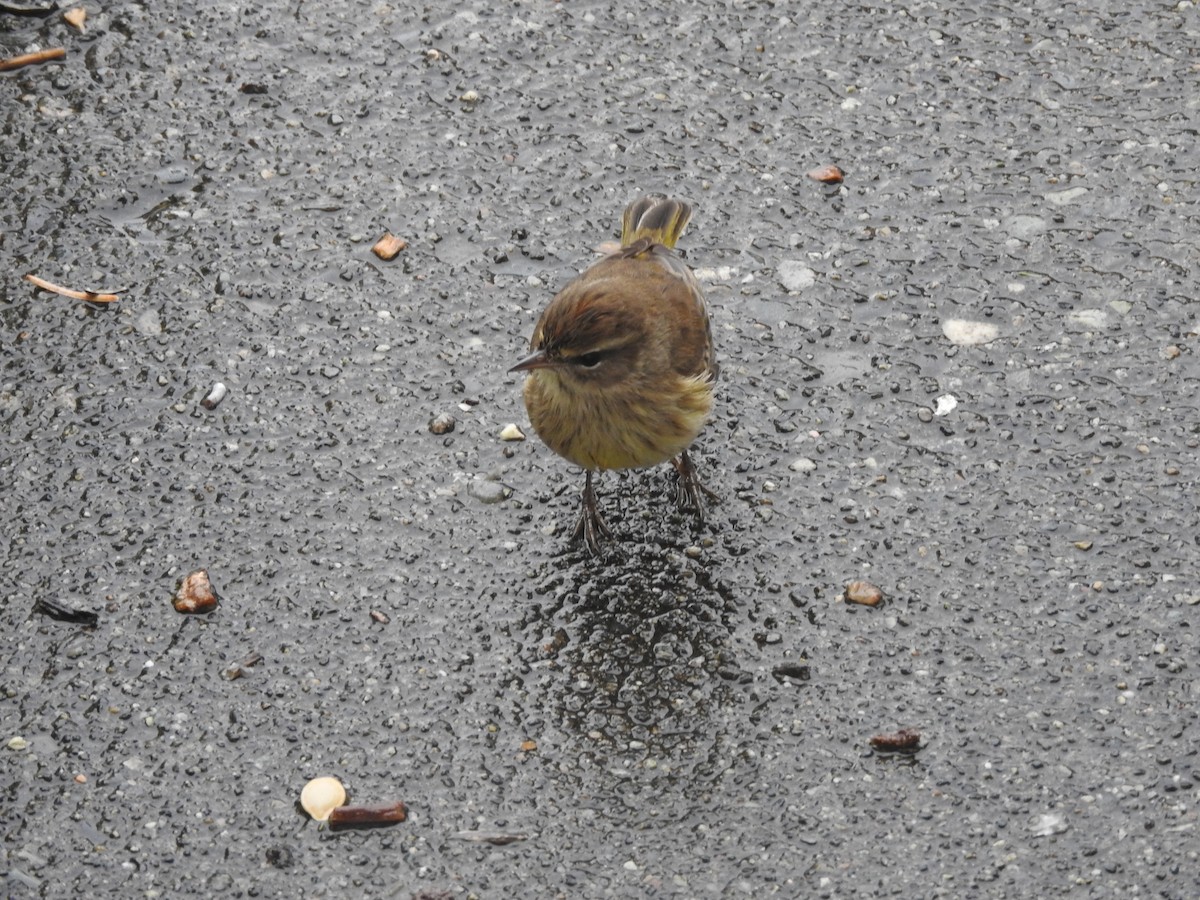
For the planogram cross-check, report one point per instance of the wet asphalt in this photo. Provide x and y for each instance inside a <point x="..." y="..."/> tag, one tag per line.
<point x="967" y="374"/>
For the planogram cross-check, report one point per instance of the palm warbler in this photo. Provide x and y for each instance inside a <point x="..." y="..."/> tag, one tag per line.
<point x="622" y="369"/>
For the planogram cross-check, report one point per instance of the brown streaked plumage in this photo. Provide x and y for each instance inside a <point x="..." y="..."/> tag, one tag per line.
<point x="622" y="369"/>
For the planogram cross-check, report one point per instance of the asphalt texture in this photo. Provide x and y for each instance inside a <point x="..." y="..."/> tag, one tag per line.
<point x="691" y="714"/>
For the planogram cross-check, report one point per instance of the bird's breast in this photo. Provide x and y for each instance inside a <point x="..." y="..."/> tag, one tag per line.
<point x="624" y="426"/>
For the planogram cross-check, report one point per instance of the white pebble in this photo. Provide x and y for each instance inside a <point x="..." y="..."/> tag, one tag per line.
<point x="795" y="276"/>
<point x="966" y="332"/>
<point x="946" y="404"/>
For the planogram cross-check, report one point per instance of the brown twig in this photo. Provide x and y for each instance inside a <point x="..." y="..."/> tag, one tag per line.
<point x="29" y="59"/>
<point x="90" y="296"/>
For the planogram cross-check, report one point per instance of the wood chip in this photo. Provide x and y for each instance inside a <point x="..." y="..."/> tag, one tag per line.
<point x="89" y="296"/>
<point x="906" y="740"/>
<point x="75" y="17"/>
<point x="389" y="246"/>
<point x="30" y="59"/>
<point x="498" y="838"/>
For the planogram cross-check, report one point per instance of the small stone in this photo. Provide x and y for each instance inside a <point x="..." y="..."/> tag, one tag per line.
<point x="389" y="246"/>
<point x="1083" y="545"/>
<point x="795" y="276"/>
<point x="864" y="593"/>
<point x="528" y="746"/>
<point x="1171" y="352"/>
<point x="17" y="743"/>
<point x="1091" y="319"/>
<point x="803" y="464"/>
<point x="1048" y="824"/>
<point x="693" y="552"/>
<point x="489" y="491"/>
<point x="195" y="593"/>
<point x="443" y="424"/>
<point x="965" y="332"/>
<point x="511" y="432"/>
<point x="470" y="97"/>
<point x="214" y="396"/>
<point x="830" y="174"/>
<point x="946" y="404"/>
<point x="1063" y="198"/>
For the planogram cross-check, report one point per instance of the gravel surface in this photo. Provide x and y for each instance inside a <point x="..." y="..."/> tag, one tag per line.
<point x="966" y="375"/>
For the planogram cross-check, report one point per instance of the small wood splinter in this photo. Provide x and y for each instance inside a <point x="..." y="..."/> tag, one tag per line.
<point x="89" y="296"/>
<point x="30" y="59"/>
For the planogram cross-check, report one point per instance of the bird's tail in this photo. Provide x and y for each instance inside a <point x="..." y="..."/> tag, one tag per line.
<point x="655" y="218"/>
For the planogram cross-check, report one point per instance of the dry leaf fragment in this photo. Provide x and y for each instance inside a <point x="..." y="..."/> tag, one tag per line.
<point x="29" y="59"/>
<point x="75" y="17"/>
<point x="89" y="296"/>
<point x="388" y="246"/>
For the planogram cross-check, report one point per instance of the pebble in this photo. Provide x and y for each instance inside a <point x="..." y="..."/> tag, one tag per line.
<point x="829" y="174"/>
<point x="214" y="396"/>
<point x="864" y="593"/>
<point x="803" y="464"/>
<point x="489" y="491"/>
<point x="1048" y="824"/>
<point x="946" y="404"/>
<point x="1062" y="198"/>
<point x="965" y="332"/>
<point x="1088" y="318"/>
<point x="442" y="424"/>
<point x="17" y="743"/>
<point x="795" y="276"/>
<point x="511" y="432"/>
<point x="195" y="593"/>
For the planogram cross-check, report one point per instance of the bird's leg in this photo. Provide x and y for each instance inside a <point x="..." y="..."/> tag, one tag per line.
<point x="690" y="493"/>
<point x="591" y="525"/>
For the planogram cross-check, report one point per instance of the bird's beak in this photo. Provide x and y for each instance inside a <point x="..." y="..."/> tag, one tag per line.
<point x="536" y="360"/>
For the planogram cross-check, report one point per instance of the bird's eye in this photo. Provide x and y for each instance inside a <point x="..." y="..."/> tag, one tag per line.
<point x="590" y="360"/>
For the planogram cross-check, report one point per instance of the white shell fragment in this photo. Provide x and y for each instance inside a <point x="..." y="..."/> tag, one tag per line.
<point x="321" y="796"/>
<point x="511" y="432"/>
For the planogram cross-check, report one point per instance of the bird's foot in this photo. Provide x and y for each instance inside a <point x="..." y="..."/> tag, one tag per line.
<point x="689" y="492"/>
<point x="591" y="527"/>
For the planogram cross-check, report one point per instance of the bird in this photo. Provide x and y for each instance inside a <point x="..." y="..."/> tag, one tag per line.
<point x="621" y="371"/>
